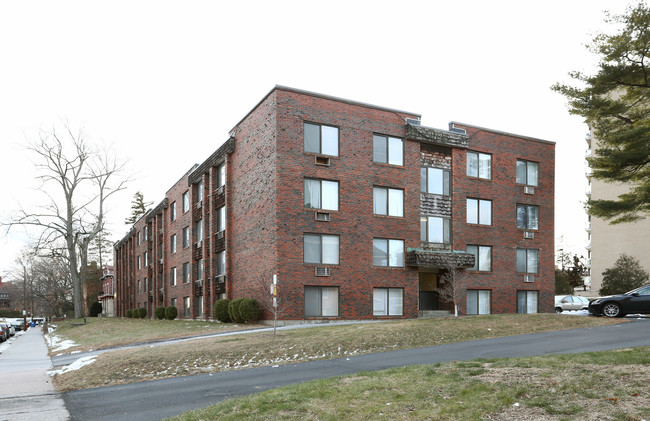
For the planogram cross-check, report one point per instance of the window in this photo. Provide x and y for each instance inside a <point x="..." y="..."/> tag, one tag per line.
<point x="389" y="253"/>
<point x="434" y="181"/>
<point x="139" y="286"/>
<point x="388" y="150"/>
<point x="173" y="302"/>
<point x="139" y="262"/>
<point x="479" y="165"/>
<point x="434" y="229"/>
<point x="146" y="258"/>
<point x="145" y="231"/>
<point x="146" y="282"/>
<point x="199" y="192"/>
<point x="198" y="230"/>
<point x="527" y="302"/>
<point x="172" y="211"/>
<point x="482" y="258"/>
<point x="139" y="237"/>
<point x="321" y="194"/>
<point x="199" y="269"/>
<point x="321" y="301"/>
<point x="199" y="305"/>
<point x="386" y="201"/>
<point x="321" y="139"/>
<point x="173" y="244"/>
<point x="528" y="217"/>
<point x="221" y="219"/>
<point x="479" y="211"/>
<point x="172" y="277"/>
<point x="388" y="301"/>
<point x="186" y="273"/>
<point x="186" y="307"/>
<point x="221" y="263"/>
<point x="527" y="172"/>
<point x="527" y="261"/>
<point x="186" y="237"/>
<point x="478" y="301"/>
<point x="322" y="249"/>
<point x="221" y="175"/>
<point x="186" y="201"/>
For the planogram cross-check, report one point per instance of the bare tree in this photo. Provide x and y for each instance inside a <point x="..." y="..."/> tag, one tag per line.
<point x="452" y="285"/>
<point x="76" y="180"/>
<point x="270" y="298"/>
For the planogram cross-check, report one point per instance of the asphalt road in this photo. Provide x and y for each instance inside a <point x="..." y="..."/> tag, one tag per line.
<point x="164" y="398"/>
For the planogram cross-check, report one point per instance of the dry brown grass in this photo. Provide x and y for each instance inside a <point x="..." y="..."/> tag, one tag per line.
<point x="251" y="350"/>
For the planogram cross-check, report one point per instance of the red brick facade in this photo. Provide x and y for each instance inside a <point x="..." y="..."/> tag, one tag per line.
<point x="342" y="260"/>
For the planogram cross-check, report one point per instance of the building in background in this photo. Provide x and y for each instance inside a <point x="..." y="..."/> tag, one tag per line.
<point x="357" y="211"/>
<point x="106" y="296"/>
<point x="606" y="242"/>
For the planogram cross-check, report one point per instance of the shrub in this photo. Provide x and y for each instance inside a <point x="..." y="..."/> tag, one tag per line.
<point x="249" y="310"/>
<point x="159" y="312"/>
<point x="129" y="313"/>
<point x="142" y="312"/>
<point x="221" y="310"/>
<point x="95" y="309"/>
<point x="233" y="310"/>
<point x="171" y="312"/>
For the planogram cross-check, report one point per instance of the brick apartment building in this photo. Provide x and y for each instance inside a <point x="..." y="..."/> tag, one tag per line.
<point x="356" y="210"/>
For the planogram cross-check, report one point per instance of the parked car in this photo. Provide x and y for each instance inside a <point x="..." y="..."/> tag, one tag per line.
<point x="17" y="324"/>
<point x="636" y="301"/>
<point x="570" y="302"/>
<point x="4" y="328"/>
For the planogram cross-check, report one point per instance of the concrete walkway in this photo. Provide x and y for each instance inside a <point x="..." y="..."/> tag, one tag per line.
<point x="26" y="390"/>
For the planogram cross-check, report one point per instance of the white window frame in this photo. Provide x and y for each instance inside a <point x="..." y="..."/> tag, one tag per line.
<point x="435" y="181"/>
<point x="172" y="211"/>
<point x="388" y="201"/>
<point x="482" y="206"/>
<point x="388" y="301"/>
<point x="531" y="261"/>
<point x="388" y="150"/>
<point x="186" y="237"/>
<point x="525" y="177"/>
<point x="199" y="270"/>
<point x="187" y="272"/>
<point x="173" y="277"/>
<point x="325" y="299"/>
<point x="527" y="302"/>
<point x="173" y="244"/>
<point x="187" y="307"/>
<point x="530" y="219"/>
<point x="392" y="257"/>
<point x="326" y="146"/>
<point x="186" y="201"/>
<point x="321" y="191"/>
<point x="221" y="263"/>
<point x="479" y="301"/>
<point x="480" y="158"/>
<point x="221" y="219"/>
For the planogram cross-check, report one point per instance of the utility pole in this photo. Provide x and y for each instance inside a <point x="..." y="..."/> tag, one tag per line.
<point x="24" y="298"/>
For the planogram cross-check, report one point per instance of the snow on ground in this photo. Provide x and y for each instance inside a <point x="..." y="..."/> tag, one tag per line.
<point x="6" y="344"/>
<point x="74" y="366"/>
<point x="576" y="312"/>
<point x="56" y="343"/>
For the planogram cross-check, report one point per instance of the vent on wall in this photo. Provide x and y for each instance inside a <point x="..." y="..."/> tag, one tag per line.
<point x="322" y="160"/>
<point x="322" y="216"/>
<point x="413" y="121"/>
<point x="320" y="271"/>
<point x="529" y="278"/>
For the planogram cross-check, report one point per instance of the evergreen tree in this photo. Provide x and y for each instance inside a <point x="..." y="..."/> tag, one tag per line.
<point x="626" y="275"/>
<point x="138" y="208"/>
<point x="616" y="104"/>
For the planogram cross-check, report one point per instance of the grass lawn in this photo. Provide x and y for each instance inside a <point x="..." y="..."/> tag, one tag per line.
<point x="288" y="346"/>
<point x="610" y="385"/>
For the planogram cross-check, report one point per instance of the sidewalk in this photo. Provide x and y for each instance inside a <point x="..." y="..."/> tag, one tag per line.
<point x="26" y="391"/>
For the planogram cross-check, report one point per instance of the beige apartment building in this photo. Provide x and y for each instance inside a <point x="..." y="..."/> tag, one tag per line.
<point x="605" y="242"/>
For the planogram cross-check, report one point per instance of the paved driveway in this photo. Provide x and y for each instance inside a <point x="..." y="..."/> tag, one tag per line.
<point x="164" y="398"/>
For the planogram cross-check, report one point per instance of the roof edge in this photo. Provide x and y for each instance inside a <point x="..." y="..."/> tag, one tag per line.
<point x="501" y="132"/>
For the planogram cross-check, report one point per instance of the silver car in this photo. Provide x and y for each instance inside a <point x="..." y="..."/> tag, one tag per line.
<point x="570" y="302"/>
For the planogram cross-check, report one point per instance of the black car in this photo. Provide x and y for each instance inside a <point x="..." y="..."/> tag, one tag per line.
<point x="636" y="301"/>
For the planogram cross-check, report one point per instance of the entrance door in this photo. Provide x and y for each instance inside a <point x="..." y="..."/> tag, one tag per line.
<point x="429" y="299"/>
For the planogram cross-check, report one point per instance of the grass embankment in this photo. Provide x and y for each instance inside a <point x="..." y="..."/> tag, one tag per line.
<point x="101" y="333"/>
<point x="322" y="342"/>
<point x="591" y="386"/>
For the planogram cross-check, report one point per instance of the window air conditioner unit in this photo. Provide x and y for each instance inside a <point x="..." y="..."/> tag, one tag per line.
<point x="161" y="261"/>
<point x="198" y="204"/>
<point x="221" y="189"/>
<point x="199" y="244"/>
<point x="220" y="235"/>
<point x="529" y="234"/>
<point x="199" y="283"/>
<point x="322" y="216"/>
<point x="529" y="278"/>
<point x="322" y="160"/>
<point x="529" y="190"/>
<point x="320" y="271"/>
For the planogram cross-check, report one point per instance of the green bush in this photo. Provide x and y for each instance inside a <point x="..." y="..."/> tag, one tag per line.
<point x="159" y="312"/>
<point x="171" y="312"/>
<point x="95" y="309"/>
<point x="142" y="312"/>
<point x="129" y="313"/>
<point x="221" y="310"/>
<point x="233" y="310"/>
<point x="249" y="310"/>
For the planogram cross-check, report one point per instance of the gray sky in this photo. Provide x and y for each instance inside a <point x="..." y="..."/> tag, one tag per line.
<point x="164" y="82"/>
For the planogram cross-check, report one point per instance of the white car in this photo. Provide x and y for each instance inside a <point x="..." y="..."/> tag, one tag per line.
<point x="570" y="302"/>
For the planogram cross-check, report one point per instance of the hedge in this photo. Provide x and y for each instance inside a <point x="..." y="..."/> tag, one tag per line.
<point x="233" y="310"/>
<point x="129" y="313"/>
<point x="171" y="312"/>
<point x="221" y="310"/>
<point x="249" y="310"/>
<point x="159" y="312"/>
<point x="142" y="312"/>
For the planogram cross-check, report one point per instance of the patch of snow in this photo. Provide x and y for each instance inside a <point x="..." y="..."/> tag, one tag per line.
<point x="74" y="366"/>
<point x="57" y="344"/>
<point x="576" y="312"/>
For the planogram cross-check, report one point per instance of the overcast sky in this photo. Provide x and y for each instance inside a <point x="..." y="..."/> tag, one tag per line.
<point x="164" y="82"/>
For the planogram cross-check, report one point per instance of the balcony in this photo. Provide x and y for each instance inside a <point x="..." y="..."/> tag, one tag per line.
<point x="588" y="227"/>
<point x="438" y="259"/>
